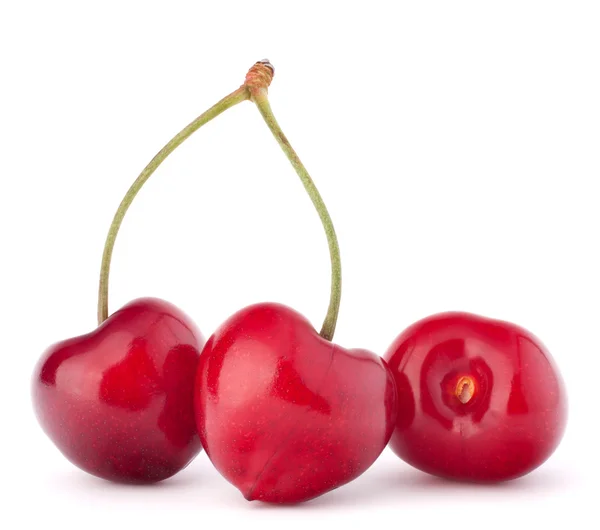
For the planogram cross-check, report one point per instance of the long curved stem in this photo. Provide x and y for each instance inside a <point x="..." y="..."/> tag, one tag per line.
<point x="260" y="98"/>
<point x="239" y="95"/>
<point x="255" y="88"/>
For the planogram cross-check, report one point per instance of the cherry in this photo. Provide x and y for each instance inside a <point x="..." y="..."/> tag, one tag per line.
<point x="118" y="402"/>
<point x="479" y="399"/>
<point x="286" y="415"/>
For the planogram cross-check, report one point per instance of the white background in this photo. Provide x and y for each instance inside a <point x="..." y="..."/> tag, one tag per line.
<point x="455" y="143"/>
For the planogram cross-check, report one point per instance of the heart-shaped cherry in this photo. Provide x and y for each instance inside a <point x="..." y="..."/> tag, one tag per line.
<point x="479" y="399"/>
<point x="285" y="415"/>
<point x="118" y="402"/>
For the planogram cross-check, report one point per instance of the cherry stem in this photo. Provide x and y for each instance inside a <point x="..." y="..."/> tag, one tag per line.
<point x="465" y="388"/>
<point x="239" y="95"/>
<point x="255" y="87"/>
<point x="259" y="95"/>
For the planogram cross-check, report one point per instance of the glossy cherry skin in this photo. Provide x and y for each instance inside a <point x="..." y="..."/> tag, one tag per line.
<point x="479" y="399"/>
<point x="118" y="402"/>
<point x="285" y="415"/>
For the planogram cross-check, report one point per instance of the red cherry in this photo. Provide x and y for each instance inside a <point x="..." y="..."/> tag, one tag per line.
<point x="118" y="402"/>
<point x="285" y="415"/>
<point x="479" y="399"/>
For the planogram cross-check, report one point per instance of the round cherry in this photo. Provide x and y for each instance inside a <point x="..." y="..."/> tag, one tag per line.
<point x="479" y="399"/>
<point x="118" y="402"/>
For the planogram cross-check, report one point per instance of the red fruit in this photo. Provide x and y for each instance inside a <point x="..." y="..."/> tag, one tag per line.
<point x="479" y="399"/>
<point x="285" y="415"/>
<point x="118" y="402"/>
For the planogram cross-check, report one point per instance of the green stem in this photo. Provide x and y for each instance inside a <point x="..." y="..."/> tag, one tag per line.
<point x="260" y="98"/>
<point x="241" y="94"/>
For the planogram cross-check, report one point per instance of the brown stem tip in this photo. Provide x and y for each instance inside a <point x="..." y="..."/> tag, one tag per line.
<point x="465" y="388"/>
<point x="260" y="75"/>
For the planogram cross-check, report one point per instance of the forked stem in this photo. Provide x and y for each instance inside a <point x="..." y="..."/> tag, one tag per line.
<point x="255" y="88"/>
